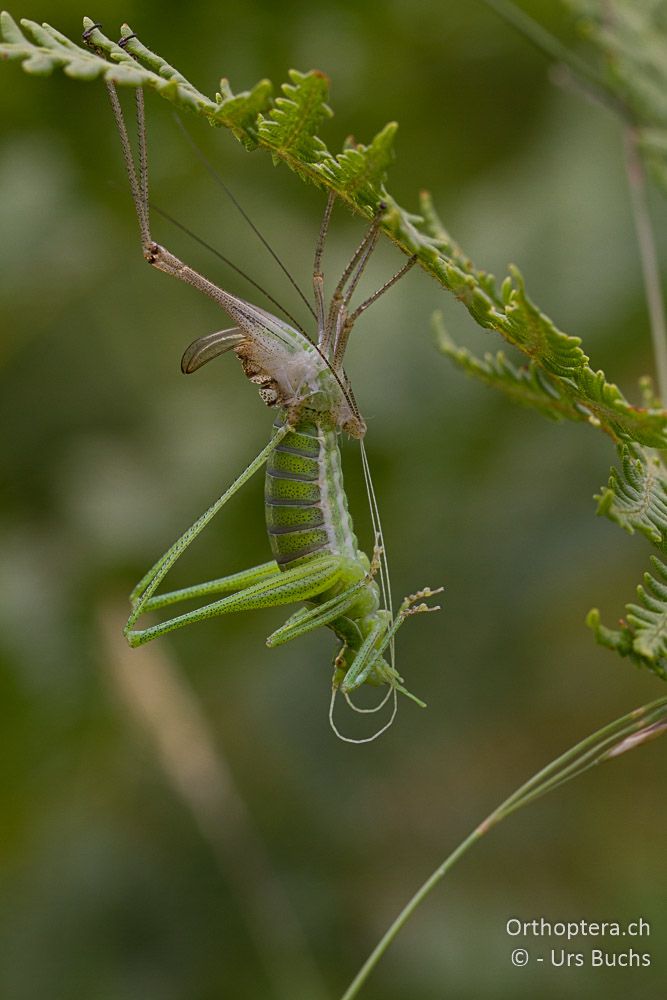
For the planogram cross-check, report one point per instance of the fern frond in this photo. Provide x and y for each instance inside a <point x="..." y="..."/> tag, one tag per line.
<point x="636" y="495"/>
<point x="527" y="385"/>
<point x="636" y="499"/>
<point x="240" y="112"/>
<point x="361" y="170"/>
<point x="577" y="392"/>
<point x="643" y="635"/>
<point x="289" y="129"/>
<point x="41" y="50"/>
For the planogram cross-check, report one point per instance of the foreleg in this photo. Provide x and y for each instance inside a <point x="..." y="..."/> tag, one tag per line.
<point x="368" y="660"/>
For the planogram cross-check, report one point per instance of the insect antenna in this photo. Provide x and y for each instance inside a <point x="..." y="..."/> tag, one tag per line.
<point x="365" y="739"/>
<point x="385" y="583"/>
<point x="368" y="711"/>
<point x="219" y="180"/>
<point x="318" y="277"/>
<point x="228" y="262"/>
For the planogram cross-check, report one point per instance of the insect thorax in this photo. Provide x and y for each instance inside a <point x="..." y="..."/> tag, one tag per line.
<point x="302" y="385"/>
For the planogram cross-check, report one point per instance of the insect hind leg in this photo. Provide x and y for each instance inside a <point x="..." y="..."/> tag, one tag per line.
<point x="301" y="583"/>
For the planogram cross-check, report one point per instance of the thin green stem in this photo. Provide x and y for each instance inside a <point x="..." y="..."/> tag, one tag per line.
<point x="405" y="914"/>
<point x="648" y="254"/>
<point x="612" y="740"/>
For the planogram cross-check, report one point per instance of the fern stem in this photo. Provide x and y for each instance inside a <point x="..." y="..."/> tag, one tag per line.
<point x="617" y="737"/>
<point x="648" y="254"/>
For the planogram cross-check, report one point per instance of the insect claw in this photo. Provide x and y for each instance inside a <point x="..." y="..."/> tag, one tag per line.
<point x="426" y="592"/>
<point x="374" y="567"/>
<point x="410" y="606"/>
<point x="88" y="32"/>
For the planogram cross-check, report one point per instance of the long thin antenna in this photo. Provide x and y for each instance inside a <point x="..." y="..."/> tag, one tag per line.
<point x="237" y="205"/>
<point x="228" y="262"/>
<point x="368" y="711"/>
<point x="384" y="568"/>
<point x="318" y="276"/>
<point x="367" y="739"/>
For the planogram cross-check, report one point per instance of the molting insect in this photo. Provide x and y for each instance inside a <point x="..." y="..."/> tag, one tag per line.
<point x="316" y="556"/>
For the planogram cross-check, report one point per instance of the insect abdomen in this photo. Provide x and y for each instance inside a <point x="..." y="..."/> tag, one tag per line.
<point x="305" y="514"/>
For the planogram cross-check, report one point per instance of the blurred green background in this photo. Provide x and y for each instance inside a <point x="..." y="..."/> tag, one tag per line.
<point x="130" y="869"/>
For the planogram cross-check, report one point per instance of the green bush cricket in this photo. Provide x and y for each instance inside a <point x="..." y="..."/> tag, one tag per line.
<point x="316" y="556"/>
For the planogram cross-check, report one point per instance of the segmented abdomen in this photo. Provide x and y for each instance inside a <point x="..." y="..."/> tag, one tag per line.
<point x="306" y="507"/>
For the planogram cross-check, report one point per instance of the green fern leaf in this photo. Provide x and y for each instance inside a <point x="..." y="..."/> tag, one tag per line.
<point x="578" y="392"/>
<point x="527" y="385"/>
<point x="240" y="112"/>
<point x="289" y="129"/>
<point x="648" y="619"/>
<point x="643" y="635"/>
<point x="636" y="495"/>
<point x="360" y="171"/>
<point x="620" y="640"/>
<point x="636" y="499"/>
